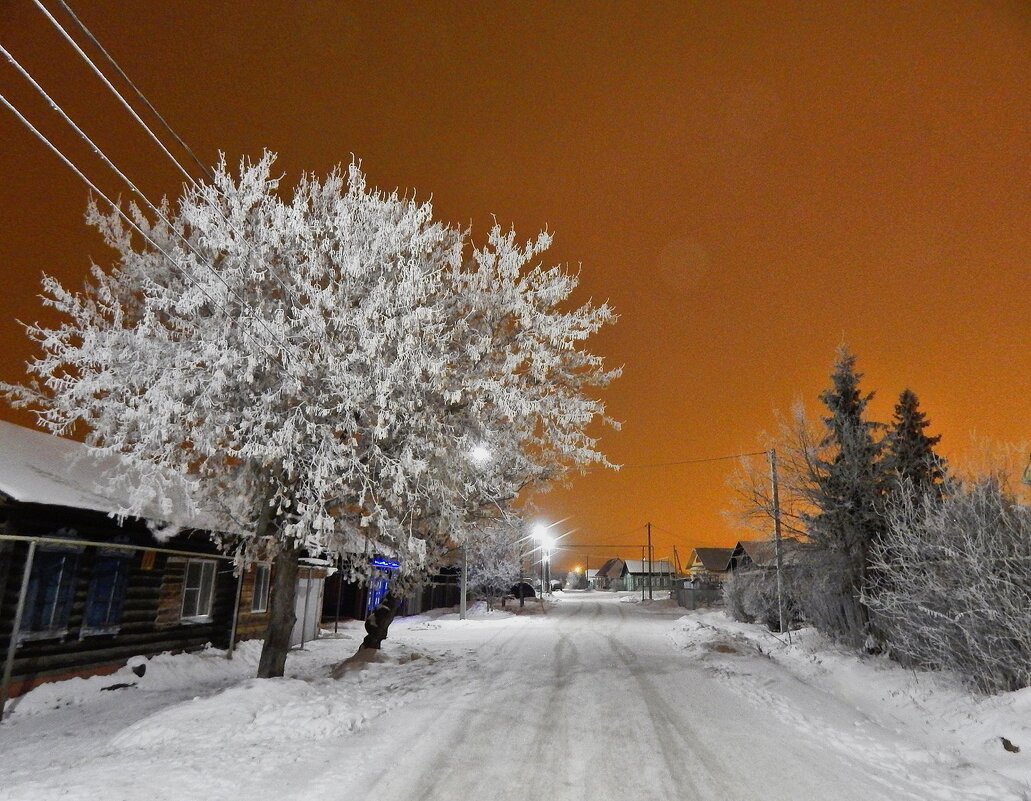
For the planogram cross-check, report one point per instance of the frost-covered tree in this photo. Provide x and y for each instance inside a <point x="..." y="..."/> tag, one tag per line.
<point x="909" y="452"/>
<point x="952" y="581"/>
<point x="494" y="551"/>
<point x="847" y="489"/>
<point x="316" y="370"/>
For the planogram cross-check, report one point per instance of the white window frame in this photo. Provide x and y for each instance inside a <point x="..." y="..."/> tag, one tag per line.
<point x="259" y="600"/>
<point x="204" y="605"/>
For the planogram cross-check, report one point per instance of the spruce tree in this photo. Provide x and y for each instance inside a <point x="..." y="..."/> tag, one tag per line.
<point x="909" y="452"/>
<point x="847" y="490"/>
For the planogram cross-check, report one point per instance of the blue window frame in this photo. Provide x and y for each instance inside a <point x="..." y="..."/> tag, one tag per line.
<point x="51" y="590"/>
<point x="106" y="596"/>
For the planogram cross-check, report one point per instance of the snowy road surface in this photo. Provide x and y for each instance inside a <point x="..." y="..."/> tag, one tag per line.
<point x="597" y="698"/>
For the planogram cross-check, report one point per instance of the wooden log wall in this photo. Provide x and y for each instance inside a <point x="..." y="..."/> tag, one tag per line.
<point x="150" y="617"/>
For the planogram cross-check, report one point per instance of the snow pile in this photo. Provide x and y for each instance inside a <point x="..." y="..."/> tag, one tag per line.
<point x="931" y="719"/>
<point x="163" y="672"/>
<point x="270" y="713"/>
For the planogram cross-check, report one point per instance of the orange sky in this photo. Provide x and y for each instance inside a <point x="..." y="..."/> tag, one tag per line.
<point x="749" y="185"/>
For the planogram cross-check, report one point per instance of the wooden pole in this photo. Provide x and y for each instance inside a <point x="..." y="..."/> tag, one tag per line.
<point x="776" y="540"/>
<point x="465" y="581"/>
<point x="650" y="563"/>
<point x="307" y="595"/>
<point x="236" y="616"/>
<point x="5" y="685"/>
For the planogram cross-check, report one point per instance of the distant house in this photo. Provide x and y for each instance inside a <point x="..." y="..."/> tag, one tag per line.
<point x="632" y="574"/>
<point x="610" y="575"/>
<point x="638" y="572"/>
<point x="93" y="592"/>
<point x="709" y="565"/>
<point x="762" y="554"/>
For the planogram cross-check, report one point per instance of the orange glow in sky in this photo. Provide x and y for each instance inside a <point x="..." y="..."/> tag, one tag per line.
<point x="748" y="184"/>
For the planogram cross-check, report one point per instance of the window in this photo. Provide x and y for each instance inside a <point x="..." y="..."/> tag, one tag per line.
<point x="198" y="585"/>
<point x="51" y="590"/>
<point x="106" y="594"/>
<point x="259" y="603"/>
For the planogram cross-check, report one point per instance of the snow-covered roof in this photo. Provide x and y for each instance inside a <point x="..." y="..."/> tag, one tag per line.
<point x="639" y="566"/>
<point x="36" y="467"/>
<point x="612" y="569"/>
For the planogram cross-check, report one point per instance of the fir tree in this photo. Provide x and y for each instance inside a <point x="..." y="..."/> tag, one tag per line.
<point x="909" y="452"/>
<point x="846" y="493"/>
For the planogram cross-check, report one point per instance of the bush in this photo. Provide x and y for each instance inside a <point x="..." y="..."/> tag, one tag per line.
<point x="951" y="584"/>
<point x="824" y="595"/>
<point x="734" y="597"/>
<point x="751" y="597"/>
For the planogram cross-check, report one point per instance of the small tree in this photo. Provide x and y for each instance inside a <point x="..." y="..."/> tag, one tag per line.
<point x="494" y="552"/>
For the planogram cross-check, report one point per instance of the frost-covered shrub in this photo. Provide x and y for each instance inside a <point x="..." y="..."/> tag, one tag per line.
<point x="951" y="583"/>
<point x="751" y="597"/>
<point x="733" y="597"/>
<point x="824" y="592"/>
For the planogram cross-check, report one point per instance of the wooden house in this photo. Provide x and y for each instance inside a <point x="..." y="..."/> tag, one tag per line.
<point x="657" y="574"/>
<point x="80" y="593"/>
<point x="610" y="575"/>
<point x="709" y="565"/>
<point x="762" y="554"/>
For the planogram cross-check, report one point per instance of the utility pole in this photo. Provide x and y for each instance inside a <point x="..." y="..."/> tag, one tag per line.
<point x="522" y="599"/>
<point x="650" y="596"/>
<point x="776" y="539"/>
<point x="465" y="581"/>
<point x="642" y="568"/>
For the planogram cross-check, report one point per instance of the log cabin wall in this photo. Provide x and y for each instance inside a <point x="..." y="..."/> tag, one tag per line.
<point x="251" y="625"/>
<point x="149" y="622"/>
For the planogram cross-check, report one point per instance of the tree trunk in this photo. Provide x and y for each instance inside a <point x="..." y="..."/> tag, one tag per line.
<point x="379" y="620"/>
<point x="281" y="614"/>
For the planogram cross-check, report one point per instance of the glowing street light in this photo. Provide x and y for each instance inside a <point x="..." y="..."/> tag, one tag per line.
<point x="480" y="455"/>
<point x="547" y="542"/>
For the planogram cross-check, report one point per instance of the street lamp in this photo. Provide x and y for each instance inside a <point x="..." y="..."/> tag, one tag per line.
<point x="480" y="455"/>
<point x="540" y="533"/>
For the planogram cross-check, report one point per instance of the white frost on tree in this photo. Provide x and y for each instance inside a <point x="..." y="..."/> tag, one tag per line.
<point x="494" y="554"/>
<point x="317" y="369"/>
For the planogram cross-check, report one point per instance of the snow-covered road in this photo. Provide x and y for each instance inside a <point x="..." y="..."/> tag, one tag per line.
<point x="596" y="698"/>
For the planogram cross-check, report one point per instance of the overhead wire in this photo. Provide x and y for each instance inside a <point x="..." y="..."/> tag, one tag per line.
<point x="110" y="59"/>
<point x="125" y="103"/>
<point x="100" y="74"/>
<point x="132" y="186"/>
<point x="132" y="223"/>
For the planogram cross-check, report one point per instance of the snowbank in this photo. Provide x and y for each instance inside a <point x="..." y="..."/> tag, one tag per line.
<point x="933" y="710"/>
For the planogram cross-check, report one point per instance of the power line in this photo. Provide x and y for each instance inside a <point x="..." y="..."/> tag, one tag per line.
<point x="100" y="74"/>
<point x="693" y="461"/>
<point x="97" y="71"/>
<point x="93" y="39"/>
<point x="82" y="176"/>
<point x="132" y="186"/>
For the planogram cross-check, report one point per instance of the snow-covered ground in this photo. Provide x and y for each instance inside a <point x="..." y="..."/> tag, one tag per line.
<point x="597" y="696"/>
